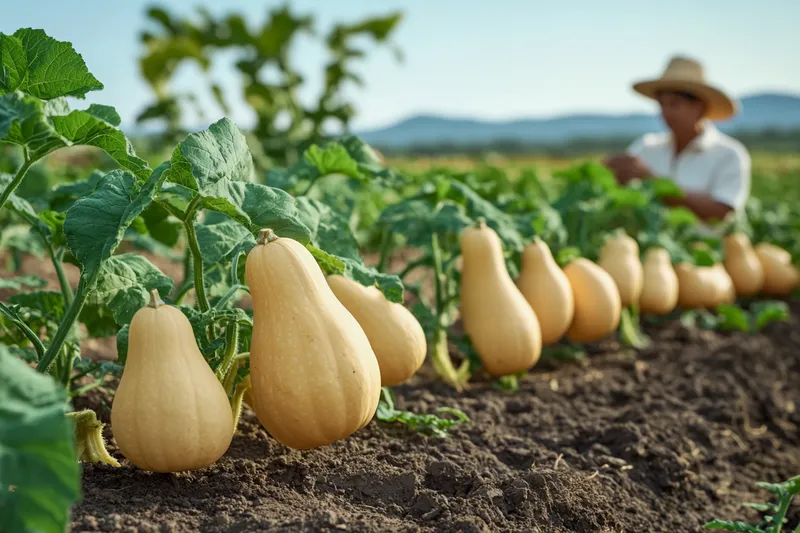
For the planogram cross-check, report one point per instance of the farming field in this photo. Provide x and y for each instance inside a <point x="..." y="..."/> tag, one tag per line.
<point x="198" y="342"/>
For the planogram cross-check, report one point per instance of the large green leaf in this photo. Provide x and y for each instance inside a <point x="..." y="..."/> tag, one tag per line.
<point x="43" y="127"/>
<point x="28" y="280"/>
<point x="217" y="241"/>
<point x="41" y="66"/>
<point x="37" y="451"/>
<point x="331" y="235"/>
<point x="96" y="224"/>
<point x="123" y="287"/>
<point x="417" y="220"/>
<point x="24" y="121"/>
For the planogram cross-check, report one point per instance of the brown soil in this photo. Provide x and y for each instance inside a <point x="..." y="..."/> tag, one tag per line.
<point x="662" y="441"/>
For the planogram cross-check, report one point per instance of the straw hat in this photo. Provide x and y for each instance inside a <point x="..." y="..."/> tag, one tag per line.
<point x="688" y="75"/>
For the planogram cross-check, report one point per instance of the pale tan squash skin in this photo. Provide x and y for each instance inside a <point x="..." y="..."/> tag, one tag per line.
<point x="598" y="306"/>
<point x="742" y="264"/>
<point x="781" y="277"/>
<point x="315" y="378"/>
<point x="395" y="334"/>
<point x="660" y="283"/>
<point x="501" y="324"/>
<point x="546" y="288"/>
<point x="620" y="258"/>
<point x="725" y="292"/>
<point x="170" y="412"/>
<point x="697" y="287"/>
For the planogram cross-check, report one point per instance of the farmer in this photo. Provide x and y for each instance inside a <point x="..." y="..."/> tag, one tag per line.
<point x="711" y="168"/>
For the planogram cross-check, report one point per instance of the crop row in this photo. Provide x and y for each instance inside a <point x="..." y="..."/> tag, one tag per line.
<point x="519" y="269"/>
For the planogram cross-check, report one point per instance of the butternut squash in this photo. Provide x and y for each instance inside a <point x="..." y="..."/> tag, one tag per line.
<point x="781" y="277"/>
<point x="170" y="412"/>
<point x="660" y="283"/>
<point x="698" y="286"/>
<point x="724" y="290"/>
<point x="395" y="334"/>
<point x="598" y="305"/>
<point x="315" y="378"/>
<point x="546" y="288"/>
<point x="743" y="265"/>
<point x="619" y="256"/>
<point x="501" y="324"/>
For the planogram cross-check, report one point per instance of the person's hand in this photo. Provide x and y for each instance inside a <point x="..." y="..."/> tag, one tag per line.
<point x="627" y="167"/>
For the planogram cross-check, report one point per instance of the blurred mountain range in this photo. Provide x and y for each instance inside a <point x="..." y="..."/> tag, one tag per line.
<point x="758" y="112"/>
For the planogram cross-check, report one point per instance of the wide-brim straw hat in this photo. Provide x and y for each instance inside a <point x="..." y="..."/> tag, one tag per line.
<point x="688" y="75"/>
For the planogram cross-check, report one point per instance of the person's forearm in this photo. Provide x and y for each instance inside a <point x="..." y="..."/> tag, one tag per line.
<point x="702" y="205"/>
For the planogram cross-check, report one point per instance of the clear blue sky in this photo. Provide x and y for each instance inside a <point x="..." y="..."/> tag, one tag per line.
<point x="498" y="59"/>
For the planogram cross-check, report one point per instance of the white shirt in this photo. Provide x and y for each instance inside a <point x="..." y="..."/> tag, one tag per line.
<point x="713" y="163"/>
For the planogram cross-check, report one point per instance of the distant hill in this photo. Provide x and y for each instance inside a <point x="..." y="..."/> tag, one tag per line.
<point x="760" y="112"/>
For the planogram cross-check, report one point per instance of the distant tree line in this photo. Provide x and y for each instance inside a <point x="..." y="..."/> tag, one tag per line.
<point x="775" y="141"/>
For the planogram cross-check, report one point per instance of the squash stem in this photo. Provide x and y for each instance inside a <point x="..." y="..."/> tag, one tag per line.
<point x="226" y="366"/>
<point x="386" y="246"/>
<point x="155" y="299"/>
<point x="26" y="164"/>
<point x="266" y="236"/>
<point x="630" y="330"/>
<point x="85" y="285"/>
<point x="236" y="402"/>
<point x="194" y="246"/>
<point x="90" y="446"/>
<point x="440" y="353"/>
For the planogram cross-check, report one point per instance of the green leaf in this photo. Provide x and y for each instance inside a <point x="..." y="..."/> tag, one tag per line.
<point x="257" y="206"/>
<point x="207" y="161"/>
<point x="500" y="222"/>
<point x="123" y="287"/>
<point x="732" y="318"/>
<point x="431" y="424"/>
<point x="417" y="220"/>
<point x="43" y="67"/>
<point x="37" y="452"/>
<point x="43" y="127"/>
<point x="96" y="224"/>
<point x="217" y="241"/>
<point x="48" y="304"/>
<point x="333" y="159"/>
<point x="16" y="284"/>
<point x="97" y="127"/>
<point x="331" y="234"/>
<point x="161" y="225"/>
<point x="767" y="312"/>
<point x="24" y="120"/>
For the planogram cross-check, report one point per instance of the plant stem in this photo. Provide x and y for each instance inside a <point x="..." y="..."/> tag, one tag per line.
<point x="386" y="246"/>
<point x="440" y="354"/>
<point x="66" y="288"/>
<point x="84" y="286"/>
<point x="89" y="443"/>
<point x="413" y="265"/>
<point x="228" y="295"/>
<point x="26" y="164"/>
<point x="236" y="402"/>
<point x="23" y="327"/>
<point x="231" y="345"/>
<point x="191" y="237"/>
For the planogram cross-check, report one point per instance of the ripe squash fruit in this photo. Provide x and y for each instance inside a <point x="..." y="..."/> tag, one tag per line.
<point x="725" y="291"/>
<point x="170" y="412"/>
<point x="742" y="264"/>
<point x="395" y="334"/>
<point x="698" y="286"/>
<point x="314" y="376"/>
<point x="501" y="324"/>
<point x="546" y="288"/>
<point x="619" y="256"/>
<point x="781" y="277"/>
<point x="598" y="306"/>
<point x="660" y="283"/>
